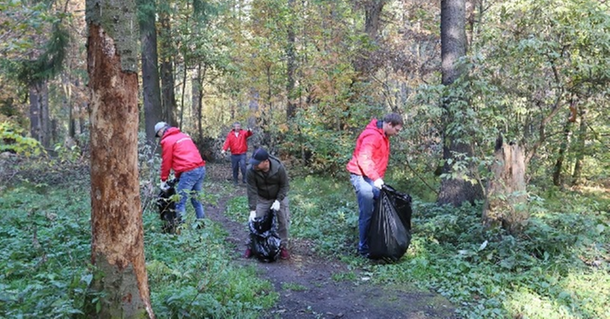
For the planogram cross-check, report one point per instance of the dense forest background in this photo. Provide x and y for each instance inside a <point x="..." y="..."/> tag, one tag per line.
<point x="518" y="82"/>
<point x="307" y="75"/>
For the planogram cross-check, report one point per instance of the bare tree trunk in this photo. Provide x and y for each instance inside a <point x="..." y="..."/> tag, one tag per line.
<point x="197" y="97"/>
<point x="167" y="71"/>
<point x="580" y="149"/>
<point x="40" y="127"/>
<point x="456" y="187"/>
<point x="117" y="245"/>
<point x="151" y="89"/>
<point x="562" y="154"/>
<point x="253" y="106"/>
<point x="45" y="118"/>
<point x="183" y="92"/>
<point x="506" y="203"/>
<point x="35" y="111"/>
<point x="290" y="65"/>
<point x="372" y="26"/>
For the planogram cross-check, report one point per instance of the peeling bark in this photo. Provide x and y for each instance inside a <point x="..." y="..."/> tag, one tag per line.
<point x="117" y="247"/>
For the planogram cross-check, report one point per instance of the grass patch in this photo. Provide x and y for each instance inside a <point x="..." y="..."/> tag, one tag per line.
<point x="293" y="286"/>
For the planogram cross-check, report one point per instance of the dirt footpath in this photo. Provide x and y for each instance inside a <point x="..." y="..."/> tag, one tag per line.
<point x="306" y="286"/>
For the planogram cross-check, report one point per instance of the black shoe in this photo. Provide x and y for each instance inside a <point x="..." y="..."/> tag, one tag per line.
<point x="363" y="254"/>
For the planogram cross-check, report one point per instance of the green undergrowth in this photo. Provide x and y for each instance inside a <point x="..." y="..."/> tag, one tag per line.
<point x="558" y="268"/>
<point x="45" y="265"/>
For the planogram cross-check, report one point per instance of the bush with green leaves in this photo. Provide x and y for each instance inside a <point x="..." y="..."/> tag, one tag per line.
<point x="13" y="139"/>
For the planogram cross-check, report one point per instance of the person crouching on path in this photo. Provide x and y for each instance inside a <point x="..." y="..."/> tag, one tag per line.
<point x="236" y="141"/>
<point x="268" y="189"/>
<point x="179" y="153"/>
<point x="367" y="168"/>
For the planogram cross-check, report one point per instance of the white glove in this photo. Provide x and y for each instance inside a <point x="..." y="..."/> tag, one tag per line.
<point x="252" y="215"/>
<point x="378" y="183"/>
<point x="164" y="187"/>
<point x="276" y="205"/>
<point x="223" y="152"/>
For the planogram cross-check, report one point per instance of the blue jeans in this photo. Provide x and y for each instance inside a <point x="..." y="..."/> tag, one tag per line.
<point x="238" y="162"/>
<point x="367" y="195"/>
<point x="191" y="185"/>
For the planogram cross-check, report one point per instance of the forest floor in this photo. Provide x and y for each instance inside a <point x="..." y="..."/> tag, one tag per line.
<point x="305" y="282"/>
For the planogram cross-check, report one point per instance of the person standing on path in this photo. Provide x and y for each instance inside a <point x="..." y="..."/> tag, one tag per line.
<point x="236" y="141"/>
<point x="367" y="168"/>
<point x="180" y="154"/>
<point x="268" y="189"/>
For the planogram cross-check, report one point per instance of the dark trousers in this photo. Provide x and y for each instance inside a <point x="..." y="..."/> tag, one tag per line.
<point x="238" y="161"/>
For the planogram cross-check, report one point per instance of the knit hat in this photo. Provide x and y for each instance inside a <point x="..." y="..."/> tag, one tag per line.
<point x="258" y="156"/>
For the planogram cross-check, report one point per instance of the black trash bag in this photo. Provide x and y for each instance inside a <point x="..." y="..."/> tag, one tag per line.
<point x="167" y="208"/>
<point x="264" y="240"/>
<point x="390" y="234"/>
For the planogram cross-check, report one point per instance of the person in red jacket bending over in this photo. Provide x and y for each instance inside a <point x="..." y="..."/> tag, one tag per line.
<point x="237" y="142"/>
<point x="179" y="153"/>
<point x="367" y="168"/>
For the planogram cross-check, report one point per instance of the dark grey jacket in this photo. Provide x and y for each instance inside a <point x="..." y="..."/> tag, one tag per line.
<point x="271" y="185"/>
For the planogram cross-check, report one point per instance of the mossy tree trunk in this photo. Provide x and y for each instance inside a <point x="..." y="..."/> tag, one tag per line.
<point x="117" y="246"/>
<point x="506" y="203"/>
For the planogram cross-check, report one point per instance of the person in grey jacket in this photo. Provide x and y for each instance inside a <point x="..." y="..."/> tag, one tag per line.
<point x="268" y="187"/>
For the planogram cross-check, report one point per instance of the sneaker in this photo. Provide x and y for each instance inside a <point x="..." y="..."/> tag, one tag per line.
<point x="284" y="253"/>
<point x="248" y="253"/>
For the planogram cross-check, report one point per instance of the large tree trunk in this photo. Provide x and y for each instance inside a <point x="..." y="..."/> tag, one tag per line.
<point x="167" y="71"/>
<point x="506" y="203"/>
<point x="150" y="68"/>
<point x="456" y="186"/>
<point x="40" y="127"/>
<point x="117" y="245"/>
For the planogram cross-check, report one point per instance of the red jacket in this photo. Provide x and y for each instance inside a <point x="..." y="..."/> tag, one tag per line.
<point x="237" y="144"/>
<point x="372" y="152"/>
<point x="179" y="153"/>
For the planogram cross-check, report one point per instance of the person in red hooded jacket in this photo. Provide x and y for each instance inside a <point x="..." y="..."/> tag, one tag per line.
<point x="179" y="153"/>
<point x="367" y="168"/>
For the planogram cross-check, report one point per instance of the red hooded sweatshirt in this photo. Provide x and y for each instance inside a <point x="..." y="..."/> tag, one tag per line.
<point x="178" y="153"/>
<point x="372" y="152"/>
<point x="237" y="144"/>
